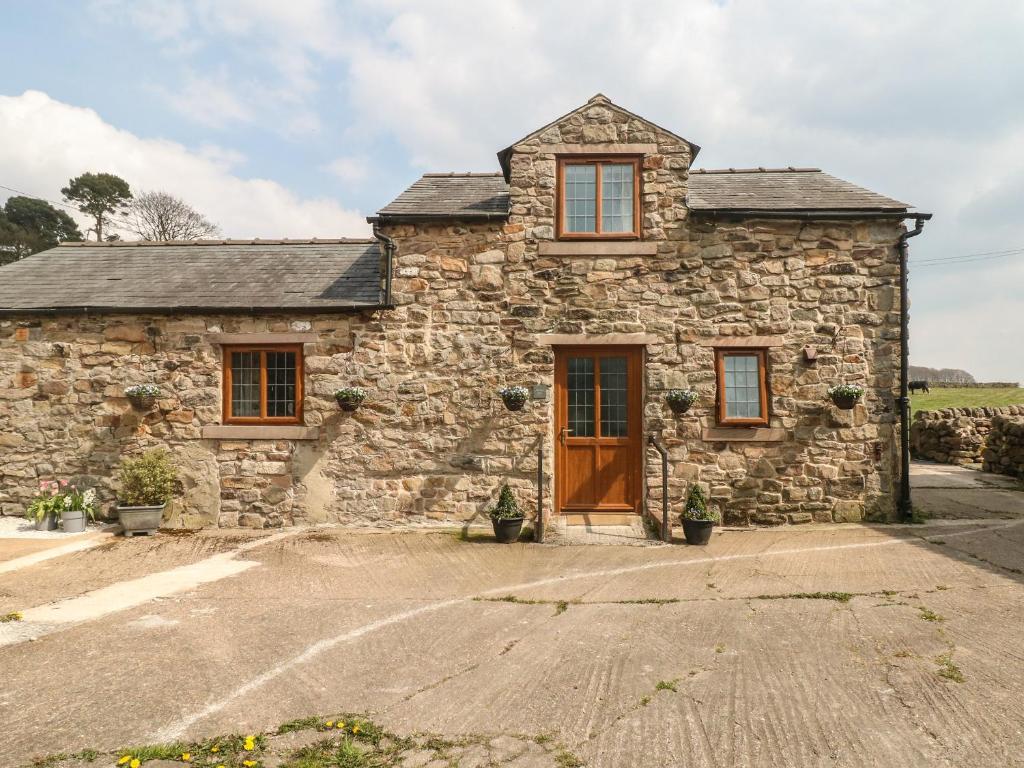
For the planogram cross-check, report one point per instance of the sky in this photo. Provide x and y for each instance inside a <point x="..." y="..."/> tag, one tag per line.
<point x="300" y="118"/>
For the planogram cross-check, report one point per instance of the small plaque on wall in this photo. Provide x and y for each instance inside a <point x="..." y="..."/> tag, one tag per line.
<point x="540" y="392"/>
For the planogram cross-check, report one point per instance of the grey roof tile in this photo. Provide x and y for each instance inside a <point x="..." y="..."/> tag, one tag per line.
<point x="452" y="196"/>
<point x="485" y="195"/>
<point x="229" y="275"/>
<point x="781" y="189"/>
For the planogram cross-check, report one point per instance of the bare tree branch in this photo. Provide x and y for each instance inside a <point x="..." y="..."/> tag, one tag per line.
<point x="162" y="216"/>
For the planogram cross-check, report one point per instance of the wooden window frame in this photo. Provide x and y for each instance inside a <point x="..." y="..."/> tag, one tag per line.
<point x="598" y="161"/>
<point x="763" y="380"/>
<point x="263" y="419"/>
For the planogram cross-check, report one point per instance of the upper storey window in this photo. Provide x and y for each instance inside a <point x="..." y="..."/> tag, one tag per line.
<point x="599" y="197"/>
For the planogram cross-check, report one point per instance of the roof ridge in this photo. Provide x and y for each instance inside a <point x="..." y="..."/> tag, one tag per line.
<point x="461" y="173"/>
<point x="760" y="169"/>
<point x="252" y="241"/>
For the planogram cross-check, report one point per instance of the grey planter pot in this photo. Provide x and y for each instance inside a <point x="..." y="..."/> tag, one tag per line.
<point x="47" y="523"/>
<point x="136" y="520"/>
<point x="73" y="521"/>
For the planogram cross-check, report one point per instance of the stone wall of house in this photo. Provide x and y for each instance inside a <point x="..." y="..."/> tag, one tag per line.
<point x="1004" y="451"/>
<point x="433" y="442"/>
<point x="955" y="435"/>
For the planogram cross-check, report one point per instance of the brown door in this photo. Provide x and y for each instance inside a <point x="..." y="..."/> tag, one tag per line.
<point x="598" y="441"/>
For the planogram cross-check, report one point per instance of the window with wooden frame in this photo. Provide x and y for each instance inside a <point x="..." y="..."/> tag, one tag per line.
<point x="599" y="197"/>
<point x="742" y="376"/>
<point x="263" y="384"/>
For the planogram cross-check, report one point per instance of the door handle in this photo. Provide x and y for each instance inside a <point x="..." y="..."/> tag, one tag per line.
<point x="562" y="433"/>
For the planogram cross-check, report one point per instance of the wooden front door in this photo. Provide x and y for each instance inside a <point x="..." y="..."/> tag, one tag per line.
<point x="598" y="440"/>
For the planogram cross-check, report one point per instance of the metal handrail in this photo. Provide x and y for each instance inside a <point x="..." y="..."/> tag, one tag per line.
<point x="666" y="534"/>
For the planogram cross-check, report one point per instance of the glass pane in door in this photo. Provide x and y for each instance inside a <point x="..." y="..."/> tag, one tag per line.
<point x="580" y="389"/>
<point x="613" y="397"/>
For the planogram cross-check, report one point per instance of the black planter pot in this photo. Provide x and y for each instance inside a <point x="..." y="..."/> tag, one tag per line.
<point x="507" y="530"/>
<point x="514" y="404"/>
<point x="349" y="405"/>
<point x="698" y="531"/>
<point x="679" y="407"/>
<point x="845" y="402"/>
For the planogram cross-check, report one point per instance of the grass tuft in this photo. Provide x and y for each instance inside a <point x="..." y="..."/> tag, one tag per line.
<point x="839" y="597"/>
<point x="667" y="685"/>
<point x="949" y="670"/>
<point x="929" y="615"/>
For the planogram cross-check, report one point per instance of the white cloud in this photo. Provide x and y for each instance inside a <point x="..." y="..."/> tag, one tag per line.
<point x="350" y="170"/>
<point x="209" y="101"/>
<point x="46" y="142"/>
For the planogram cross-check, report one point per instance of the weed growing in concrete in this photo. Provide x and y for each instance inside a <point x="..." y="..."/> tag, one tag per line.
<point x="565" y="759"/>
<point x="12" y="616"/>
<point x="839" y="597"/>
<point x="667" y="685"/>
<point x="301" y="724"/>
<point x="949" y="670"/>
<point x="929" y="615"/>
<point x="720" y="648"/>
<point x="645" y="700"/>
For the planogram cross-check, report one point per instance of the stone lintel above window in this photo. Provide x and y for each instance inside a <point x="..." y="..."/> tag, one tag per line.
<point x="600" y="149"/>
<point x="262" y="338"/>
<point x="742" y="342"/>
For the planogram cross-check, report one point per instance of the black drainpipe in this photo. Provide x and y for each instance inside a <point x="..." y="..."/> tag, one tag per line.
<point x="905" y="509"/>
<point x="389" y="258"/>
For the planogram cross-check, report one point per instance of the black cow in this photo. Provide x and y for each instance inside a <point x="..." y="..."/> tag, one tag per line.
<point x="916" y="385"/>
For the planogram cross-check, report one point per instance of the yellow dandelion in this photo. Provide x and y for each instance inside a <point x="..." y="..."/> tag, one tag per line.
<point x="135" y="763"/>
<point x="220" y="766"/>
<point x="341" y="725"/>
<point x="329" y="723"/>
<point x="248" y="763"/>
<point x="249" y="744"/>
<point x="215" y="748"/>
<point x="185" y="757"/>
<point x="124" y="759"/>
<point x="356" y="729"/>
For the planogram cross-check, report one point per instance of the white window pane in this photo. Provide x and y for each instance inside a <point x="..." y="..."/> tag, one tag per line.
<point x="742" y="386"/>
<point x="617" y="198"/>
<point x="580" y="198"/>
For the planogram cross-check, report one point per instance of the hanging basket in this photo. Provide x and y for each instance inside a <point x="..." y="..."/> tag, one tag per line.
<point x="514" y="398"/>
<point x="845" y="402"/>
<point x="680" y="400"/>
<point x="845" y="396"/>
<point x="350" y="398"/>
<point x="142" y="402"/>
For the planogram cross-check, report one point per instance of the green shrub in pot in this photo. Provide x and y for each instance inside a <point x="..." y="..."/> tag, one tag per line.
<point x="146" y="484"/>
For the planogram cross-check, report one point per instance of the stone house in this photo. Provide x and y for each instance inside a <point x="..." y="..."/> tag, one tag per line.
<point x="596" y="268"/>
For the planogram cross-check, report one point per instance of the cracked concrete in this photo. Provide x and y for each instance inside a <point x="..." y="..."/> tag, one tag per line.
<point x="792" y="647"/>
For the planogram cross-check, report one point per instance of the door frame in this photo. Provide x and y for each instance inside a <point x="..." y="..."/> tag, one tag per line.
<point x="636" y="359"/>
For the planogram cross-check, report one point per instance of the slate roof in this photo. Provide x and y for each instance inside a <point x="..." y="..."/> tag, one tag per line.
<point x="781" y="189"/>
<point x="482" y="196"/>
<point x="451" y="196"/>
<point x="202" y="275"/>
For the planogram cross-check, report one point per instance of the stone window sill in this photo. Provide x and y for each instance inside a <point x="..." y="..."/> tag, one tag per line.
<point x="743" y="434"/>
<point x="260" y="432"/>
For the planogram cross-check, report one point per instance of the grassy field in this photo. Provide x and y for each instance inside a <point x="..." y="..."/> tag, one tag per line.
<point x="965" y="398"/>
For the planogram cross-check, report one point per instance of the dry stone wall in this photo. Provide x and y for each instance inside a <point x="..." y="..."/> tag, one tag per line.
<point x="955" y="435"/>
<point x="433" y="442"/>
<point x="1004" y="453"/>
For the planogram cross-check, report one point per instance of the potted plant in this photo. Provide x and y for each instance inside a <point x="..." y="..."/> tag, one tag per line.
<point x="47" y="506"/>
<point x="350" y="398"/>
<point x="698" y="520"/>
<point x="79" y="509"/>
<point x="514" y="397"/>
<point x="680" y="400"/>
<point x="146" y="485"/>
<point x="845" y="396"/>
<point x="506" y="517"/>
<point x="142" y="396"/>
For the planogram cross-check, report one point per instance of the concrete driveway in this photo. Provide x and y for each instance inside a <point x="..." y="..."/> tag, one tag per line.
<point x="839" y="646"/>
